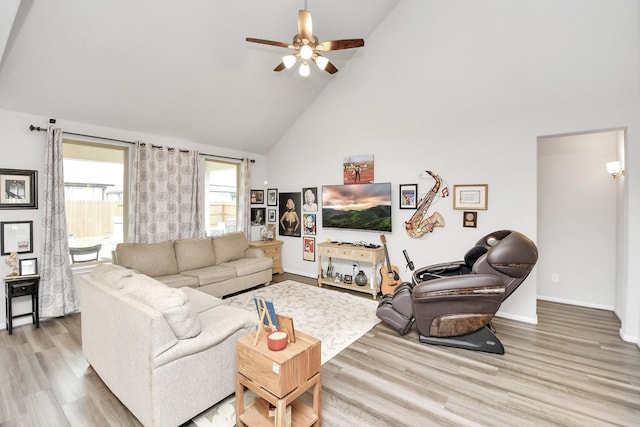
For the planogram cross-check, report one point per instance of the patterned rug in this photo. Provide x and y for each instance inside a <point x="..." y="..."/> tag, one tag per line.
<point x="336" y="318"/>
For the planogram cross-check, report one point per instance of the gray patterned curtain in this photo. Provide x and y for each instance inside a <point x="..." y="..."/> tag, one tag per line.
<point x="57" y="293"/>
<point x="244" y="199"/>
<point x="165" y="202"/>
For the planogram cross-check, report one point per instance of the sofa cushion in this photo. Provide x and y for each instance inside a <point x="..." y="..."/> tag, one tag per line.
<point x="111" y="275"/>
<point x="212" y="274"/>
<point x="178" y="280"/>
<point x="152" y="259"/>
<point x="200" y="301"/>
<point x="171" y="302"/>
<point x="194" y="253"/>
<point x="230" y="246"/>
<point x="246" y="266"/>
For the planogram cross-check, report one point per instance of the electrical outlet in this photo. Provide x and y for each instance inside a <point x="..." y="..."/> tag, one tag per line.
<point x="555" y="278"/>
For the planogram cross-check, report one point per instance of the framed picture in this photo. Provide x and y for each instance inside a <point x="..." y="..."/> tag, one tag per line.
<point x="271" y="231"/>
<point x="257" y="216"/>
<point x="309" y="248"/>
<point x="18" y="189"/>
<point x="310" y="195"/>
<point x="16" y="236"/>
<point x="272" y="215"/>
<point x="358" y="169"/>
<point x="309" y="223"/>
<point x="470" y="197"/>
<point x="272" y="197"/>
<point x="470" y="219"/>
<point x="28" y="266"/>
<point x="286" y="325"/>
<point x="290" y="214"/>
<point x="408" y="196"/>
<point x="257" y="197"/>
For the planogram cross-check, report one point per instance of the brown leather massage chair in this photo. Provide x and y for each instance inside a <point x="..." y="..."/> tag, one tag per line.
<point x="452" y="303"/>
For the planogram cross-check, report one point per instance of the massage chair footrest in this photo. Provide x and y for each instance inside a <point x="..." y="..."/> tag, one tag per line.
<point x="481" y="340"/>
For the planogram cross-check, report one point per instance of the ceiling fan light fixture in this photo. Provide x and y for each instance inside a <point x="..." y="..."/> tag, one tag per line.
<point x="306" y="52"/>
<point x="321" y="62"/>
<point x="304" y="69"/>
<point x="289" y="61"/>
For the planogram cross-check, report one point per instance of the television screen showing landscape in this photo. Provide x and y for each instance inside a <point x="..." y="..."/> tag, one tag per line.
<point x="357" y="207"/>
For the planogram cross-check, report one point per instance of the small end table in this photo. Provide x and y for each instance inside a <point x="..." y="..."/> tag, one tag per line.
<point x="272" y="249"/>
<point x="18" y="286"/>
<point x="279" y="378"/>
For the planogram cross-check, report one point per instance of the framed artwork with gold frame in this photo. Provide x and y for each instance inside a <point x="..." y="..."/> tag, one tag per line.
<point x="470" y="196"/>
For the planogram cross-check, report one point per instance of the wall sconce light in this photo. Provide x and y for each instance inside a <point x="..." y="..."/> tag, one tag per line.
<point x="615" y="169"/>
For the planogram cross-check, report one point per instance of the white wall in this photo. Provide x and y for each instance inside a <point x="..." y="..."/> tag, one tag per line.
<point x="577" y="219"/>
<point x="23" y="149"/>
<point x="465" y="89"/>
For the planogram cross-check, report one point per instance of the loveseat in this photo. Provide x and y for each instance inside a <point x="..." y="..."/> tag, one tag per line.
<point x="167" y="353"/>
<point x="218" y="265"/>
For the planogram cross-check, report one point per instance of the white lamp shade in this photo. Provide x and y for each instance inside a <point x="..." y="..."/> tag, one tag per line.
<point x="322" y="62"/>
<point x="304" y="70"/>
<point x="614" y="167"/>
<point x="306" y="52"/>
<point x="288" y="61"/>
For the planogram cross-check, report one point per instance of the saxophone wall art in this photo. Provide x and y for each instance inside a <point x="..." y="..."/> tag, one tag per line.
<point x="421" y="222"/>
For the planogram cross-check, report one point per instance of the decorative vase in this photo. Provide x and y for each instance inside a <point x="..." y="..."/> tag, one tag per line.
<point x="361" y="278"/>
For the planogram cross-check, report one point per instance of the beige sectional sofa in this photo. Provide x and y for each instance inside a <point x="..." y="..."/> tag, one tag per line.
<point x="218" y="265"/>
<point x="167" y="353"/>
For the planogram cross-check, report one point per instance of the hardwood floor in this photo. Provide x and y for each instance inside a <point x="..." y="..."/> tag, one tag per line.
<point x="571" y="369"/>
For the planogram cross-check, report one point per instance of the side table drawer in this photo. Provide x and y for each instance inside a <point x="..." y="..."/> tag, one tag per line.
<point x="20" y="289"/>
<point x="325" y="251"/>
<point x="363" y="255"/>
<point x="271" y="251"/>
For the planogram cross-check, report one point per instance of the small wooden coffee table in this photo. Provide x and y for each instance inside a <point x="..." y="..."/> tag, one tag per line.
<point x="279" y="378"/>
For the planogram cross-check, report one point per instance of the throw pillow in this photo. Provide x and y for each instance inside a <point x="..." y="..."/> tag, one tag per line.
<point x="152" y="259"/>
<point x="230" y="246"/>
<point x="174" y="306"/>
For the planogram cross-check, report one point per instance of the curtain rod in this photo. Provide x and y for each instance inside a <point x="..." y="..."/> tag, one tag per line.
<point x="41" y="129"/>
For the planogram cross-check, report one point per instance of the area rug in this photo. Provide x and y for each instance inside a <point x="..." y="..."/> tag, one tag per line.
<point x="336" y="318"/>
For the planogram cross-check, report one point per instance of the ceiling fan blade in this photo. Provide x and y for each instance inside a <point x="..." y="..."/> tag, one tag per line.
<point x="280" y="67"/>
<point x="330" y="68"/>
<point x="339" y="44"/>
<point x="305" y="30"/>
<point x="269" y="42"/>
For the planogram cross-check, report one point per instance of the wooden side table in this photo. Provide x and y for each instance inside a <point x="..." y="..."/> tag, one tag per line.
<point x="279" y="378"/>
<point x="272" y="249"/>
<point x="18" y="286"/>
<point x="371" y="256"/>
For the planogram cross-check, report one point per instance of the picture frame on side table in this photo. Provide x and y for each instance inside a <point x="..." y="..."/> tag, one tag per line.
<point x="408" y="196"/>
<point x="16" y="236"/>
<point x="309" y="249"/>
<point x="28" y="266"/>
<point x="470" y="197"/>
<point x="18" y="189"/>
<point x="257" y="197"/>
<point x="272" y="197"/>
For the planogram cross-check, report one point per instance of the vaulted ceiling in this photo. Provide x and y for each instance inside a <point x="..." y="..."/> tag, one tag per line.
<point x="169" y="67"/>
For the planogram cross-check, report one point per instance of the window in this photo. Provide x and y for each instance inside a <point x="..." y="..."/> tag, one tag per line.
<point x="96" y="195"/>
<point x="221" y="199"/>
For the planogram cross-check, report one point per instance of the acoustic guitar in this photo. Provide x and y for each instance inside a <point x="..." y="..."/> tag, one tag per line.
<point x="389" y="274"/>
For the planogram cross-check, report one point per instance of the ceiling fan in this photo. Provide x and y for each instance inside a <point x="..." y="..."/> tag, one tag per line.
<point x="308" y="48"/>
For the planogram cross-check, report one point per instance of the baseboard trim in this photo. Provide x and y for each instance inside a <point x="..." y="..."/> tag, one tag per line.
<point x="524" y="319"/>
<point x="577" y="303"/>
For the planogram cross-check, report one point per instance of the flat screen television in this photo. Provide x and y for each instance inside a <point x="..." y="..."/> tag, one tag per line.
<point x="357" y="206"/>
